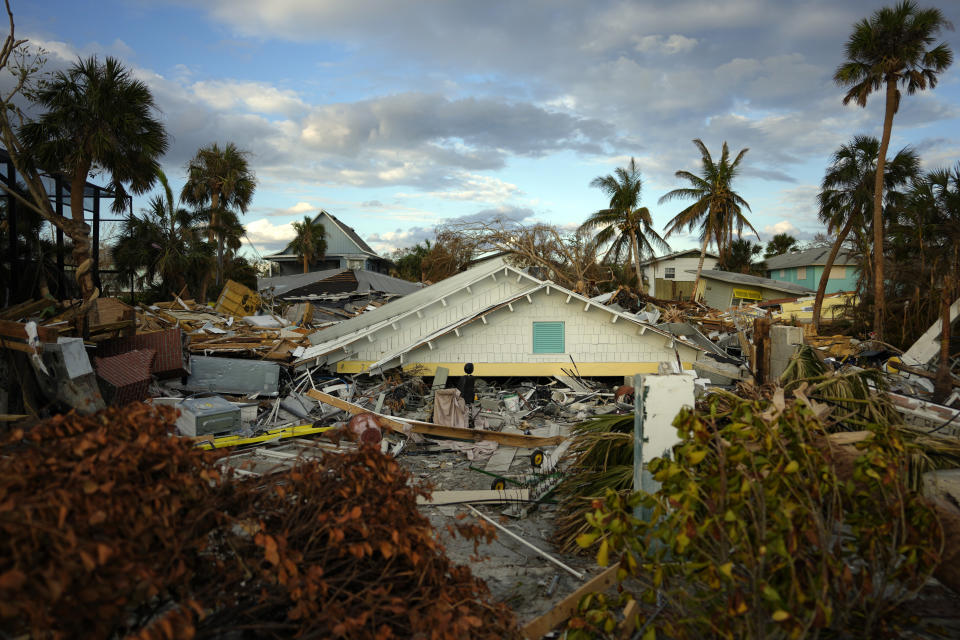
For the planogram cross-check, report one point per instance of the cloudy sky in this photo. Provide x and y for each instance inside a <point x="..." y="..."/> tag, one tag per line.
<point x="396" y="116"/>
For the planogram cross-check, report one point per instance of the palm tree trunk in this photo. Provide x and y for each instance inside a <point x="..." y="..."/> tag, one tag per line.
<point x="703" y="255"/>
<point x="879" y="298"/>
<point x="822" y="288"/>
<point x="305" y="269"/>
<point x="944" y="383"/>
<point x="81" y="236"/>
<point x="635" y="248"/>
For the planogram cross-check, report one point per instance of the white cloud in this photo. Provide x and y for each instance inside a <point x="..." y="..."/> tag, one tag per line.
<point x="268" y="236"/>
<point x="258" y="97"/>
<point x="472" y="187"/>
<point x="669" y="45"/>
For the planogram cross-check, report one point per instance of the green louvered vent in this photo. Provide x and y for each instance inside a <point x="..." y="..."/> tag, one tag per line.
<point x="548" y="337"/>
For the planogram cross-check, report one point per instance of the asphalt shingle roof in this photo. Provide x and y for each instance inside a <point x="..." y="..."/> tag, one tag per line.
<point x="755" y="281"/>
<point x="810" y="257"/>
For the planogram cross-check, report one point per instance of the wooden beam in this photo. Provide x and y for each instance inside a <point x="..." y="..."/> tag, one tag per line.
<point x="569" y="297"/>
<point x="475" y="497"/>
<point x="17" y="330"/>
<point x="510" y="306"/>
<point x="456" y="331"/>
<point x="419" y="314"/>
<point x="547" y="289"/>
<point x="529" y="299"/>
<point x="483" y="319"/>
<point x="443" y="301"/>
<point x="469" y="290"/>
<point x="614" y="319"/>
<point x="539" y="627"/>
<point x="404" y="425"/>
<point x="586" y="307"/>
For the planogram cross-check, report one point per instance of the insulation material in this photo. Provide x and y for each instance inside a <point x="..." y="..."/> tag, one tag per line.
<point x="229" y="375"/>
<point x="125" y="378"/>
<point x="170" y="362"/>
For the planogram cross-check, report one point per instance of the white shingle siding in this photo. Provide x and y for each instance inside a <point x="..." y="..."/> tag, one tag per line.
<point x="590" y="336"/>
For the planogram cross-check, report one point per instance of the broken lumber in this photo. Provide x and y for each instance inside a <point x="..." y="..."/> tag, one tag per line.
<point x="539" y="627"/>
<point x="404" y="425"/>
<point x="480" y="496"/>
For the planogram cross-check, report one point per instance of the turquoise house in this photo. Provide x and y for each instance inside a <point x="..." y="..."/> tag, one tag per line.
<point x="805" y="268"/>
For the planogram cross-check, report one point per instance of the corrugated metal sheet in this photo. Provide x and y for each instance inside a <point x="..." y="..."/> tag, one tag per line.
<point x="126" y="377"/>
<point x="548" y="337"/>
<point x="171" y="360"/>
<point x="229" y="375"/>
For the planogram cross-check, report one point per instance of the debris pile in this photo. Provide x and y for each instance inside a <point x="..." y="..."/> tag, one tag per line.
<point x="110" y="528"/>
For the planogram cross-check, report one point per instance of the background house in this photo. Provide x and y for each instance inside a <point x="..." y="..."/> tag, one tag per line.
<point x="345" y="250"/>
<point x="723" y="289"/>
<point x="668" y="277"/>
<point x="805" y="268"/>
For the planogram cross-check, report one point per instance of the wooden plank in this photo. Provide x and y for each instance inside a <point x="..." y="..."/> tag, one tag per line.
<point x="12" y="417"/>
<point x="17" y="330"/>
<point x="475" y="497"/>
<point x="536" y="629"/>
<point x="404" y="425"/>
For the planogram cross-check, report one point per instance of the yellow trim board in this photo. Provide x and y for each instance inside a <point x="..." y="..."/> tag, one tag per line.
<point x="507" y="369"/>
<point x="281" y="433"/>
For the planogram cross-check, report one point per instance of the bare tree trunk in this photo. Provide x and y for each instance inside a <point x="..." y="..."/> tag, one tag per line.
<point x="822" y="289"/>
<point x="703" y="255"/>
<point x="879" y="296"/>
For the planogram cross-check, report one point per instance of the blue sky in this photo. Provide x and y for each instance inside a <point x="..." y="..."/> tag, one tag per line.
<point x="399" y="116"/>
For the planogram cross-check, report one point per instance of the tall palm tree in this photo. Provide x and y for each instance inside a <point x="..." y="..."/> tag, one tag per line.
<point x="891" y="48"/>
<point x="716" y="209"/>
<point x="96" y="117"/>
<point x="222" y="179"/>
<point x="625" y="224"/>
<point x="310" y="242"/>
<point x="847" y="193"/>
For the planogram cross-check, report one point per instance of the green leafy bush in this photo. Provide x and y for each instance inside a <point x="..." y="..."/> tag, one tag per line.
<point x="753" y="534"/>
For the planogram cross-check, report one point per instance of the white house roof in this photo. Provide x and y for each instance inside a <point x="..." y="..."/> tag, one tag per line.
<point x="508" y="301"/>
<point x="677" y="254"/>
<point x="361" y="326"/>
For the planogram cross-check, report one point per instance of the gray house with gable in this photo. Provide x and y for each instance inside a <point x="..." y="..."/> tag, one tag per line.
<point x="345" y="250"/>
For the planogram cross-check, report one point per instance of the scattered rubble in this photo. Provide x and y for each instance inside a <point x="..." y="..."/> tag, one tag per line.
<point x="274" y="378"/>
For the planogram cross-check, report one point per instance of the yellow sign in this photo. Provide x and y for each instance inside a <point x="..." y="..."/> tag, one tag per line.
<point x="747" y="294"/>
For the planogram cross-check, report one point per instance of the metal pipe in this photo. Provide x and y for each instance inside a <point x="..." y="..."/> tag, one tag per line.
<point x="570" y="570"/>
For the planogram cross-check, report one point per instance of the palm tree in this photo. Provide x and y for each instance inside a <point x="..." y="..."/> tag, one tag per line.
<point x="628" y="226"/>
<point x="847" y="193"/>
<point x="716" y="209"/>
<point x="310" y="242"/>
<point x="223" y="179"/>
<point x="739" y="258"/>
<point x="162" y="242"/>
<point x="891" y="48"/>
<point x="97" y="117"/>
<point x="779" y="245"/>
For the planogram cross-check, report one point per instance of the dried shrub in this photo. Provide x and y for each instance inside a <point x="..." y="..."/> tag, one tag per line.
<point x="110" y="528"/>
